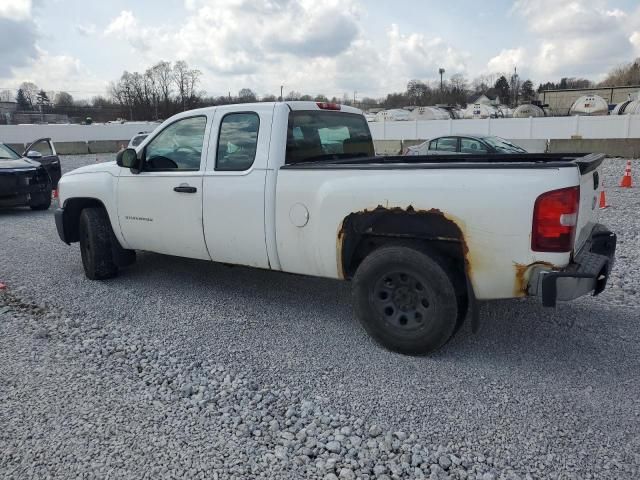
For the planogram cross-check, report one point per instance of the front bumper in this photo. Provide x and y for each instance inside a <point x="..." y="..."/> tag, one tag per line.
<point x="21" y="186"/>
<point x="59" y="216"/>
<point x="588" y="272"/>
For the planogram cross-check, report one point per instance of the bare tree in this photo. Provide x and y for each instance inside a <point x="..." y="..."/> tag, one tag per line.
<point x="292" y="96"/>
<point x="180" y="73"/>
<point x="30" y="91"/>
<point x="246" y="95"/>
<point x="163" y="77"/>
<point x="627" y="74"/>
<point x="63" y="99"/>
<point x="153" y="90"/>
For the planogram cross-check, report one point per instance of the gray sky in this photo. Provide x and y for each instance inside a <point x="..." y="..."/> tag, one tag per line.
<point x="312" y="46"/>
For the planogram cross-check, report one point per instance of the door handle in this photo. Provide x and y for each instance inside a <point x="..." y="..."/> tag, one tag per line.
<point x="185" y="189"/>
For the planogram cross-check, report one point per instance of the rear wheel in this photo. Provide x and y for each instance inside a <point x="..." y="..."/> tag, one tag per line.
<point x="96" y="244"/>
<point x="405" y="300"/>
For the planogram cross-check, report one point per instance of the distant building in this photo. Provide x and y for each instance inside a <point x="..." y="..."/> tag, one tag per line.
<point x="561" y="101"/>
<point x="7" y="110"/>
<point x="490" y="97"/>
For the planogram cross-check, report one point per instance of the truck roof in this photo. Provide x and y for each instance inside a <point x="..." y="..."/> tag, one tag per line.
<point x="293" y="105"/>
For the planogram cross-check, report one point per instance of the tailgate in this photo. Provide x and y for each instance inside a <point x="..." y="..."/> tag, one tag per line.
<point x="591" y="177"/>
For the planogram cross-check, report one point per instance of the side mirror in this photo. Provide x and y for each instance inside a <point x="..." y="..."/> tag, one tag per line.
<point x="34" y="155"/>
<point x="128" y="158"/>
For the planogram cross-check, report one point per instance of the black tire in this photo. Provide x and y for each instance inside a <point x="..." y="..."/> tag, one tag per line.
<point x="43" y="202"/>
<point x="96" y="244"/>
<point x="405" y="300"/>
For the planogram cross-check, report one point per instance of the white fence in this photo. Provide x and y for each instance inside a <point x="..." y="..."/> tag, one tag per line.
<point x="550" y="128"/>
<point x="625" y="126"/>
<point x="73" y="133"/>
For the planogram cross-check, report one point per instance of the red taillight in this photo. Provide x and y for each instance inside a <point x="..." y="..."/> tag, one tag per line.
<point x="555" y="217"/>
<point x="328" y="106"/>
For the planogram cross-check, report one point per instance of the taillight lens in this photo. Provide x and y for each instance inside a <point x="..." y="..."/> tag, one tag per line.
<point x="328" y="106"/>
<point x="555" y="217"/>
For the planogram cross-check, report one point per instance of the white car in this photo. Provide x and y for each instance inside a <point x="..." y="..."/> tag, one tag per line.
<point x="295" y="187"/>
<point x="137" y="139"/>
<point x="466" y="145"/>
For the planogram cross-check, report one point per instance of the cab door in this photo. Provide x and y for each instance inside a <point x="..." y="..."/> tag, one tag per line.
<point x="234" y="186"/>
<point x="44" y="151"/>
<point x="160" y="208"/>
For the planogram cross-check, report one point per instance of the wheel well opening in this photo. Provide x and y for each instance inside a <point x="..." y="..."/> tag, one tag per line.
<point x="72" y="209"/>
<point x="430" y="230"/>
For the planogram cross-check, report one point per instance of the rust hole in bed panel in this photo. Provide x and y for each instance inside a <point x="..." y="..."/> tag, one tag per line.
<point x="363" y="231"/>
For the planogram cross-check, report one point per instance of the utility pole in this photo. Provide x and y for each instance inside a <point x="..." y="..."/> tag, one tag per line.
<point x="354" y="98"/>
<point x="442" y="70"/>
<point x="282" y="93"/>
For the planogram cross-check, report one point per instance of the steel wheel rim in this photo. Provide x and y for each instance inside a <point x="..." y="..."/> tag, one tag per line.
<point x="402" y="300"/>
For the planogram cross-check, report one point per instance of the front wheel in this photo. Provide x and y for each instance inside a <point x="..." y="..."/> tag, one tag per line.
<point x="96" y="244"/>
<point x="405" y="300"/>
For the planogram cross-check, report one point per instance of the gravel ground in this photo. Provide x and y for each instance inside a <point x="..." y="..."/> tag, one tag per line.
<point x="186" y="369"/>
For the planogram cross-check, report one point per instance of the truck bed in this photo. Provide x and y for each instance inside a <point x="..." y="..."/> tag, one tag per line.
<point x="585" y="163"/>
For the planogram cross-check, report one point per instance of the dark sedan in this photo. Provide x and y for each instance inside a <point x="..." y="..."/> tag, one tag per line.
<point x="466" y="144"/>
<point x="28" y="180"/>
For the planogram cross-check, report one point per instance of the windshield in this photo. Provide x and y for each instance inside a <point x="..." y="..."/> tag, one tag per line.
<point x="321" y="135"/>
<point x="503" y="145"/>
<point x="6" y="153"/>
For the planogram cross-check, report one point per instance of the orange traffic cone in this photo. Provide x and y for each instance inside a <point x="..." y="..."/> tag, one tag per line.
<point x="626" y="180"/>
<point x="603" y="199"/>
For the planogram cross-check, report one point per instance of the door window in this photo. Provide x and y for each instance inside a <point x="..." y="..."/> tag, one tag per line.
<point x="447" y="144"/>
<point x="178" y="147"/>
<point x="238" y="142"/>
<point x="43" y="147"/>
<point x="469" y="145"/>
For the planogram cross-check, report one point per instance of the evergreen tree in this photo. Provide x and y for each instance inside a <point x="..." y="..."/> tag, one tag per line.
<point x="42" y="98"/>
<point x="21" y="99"/>
<point x="528" y="93"/>
<point x="503" y="89"/>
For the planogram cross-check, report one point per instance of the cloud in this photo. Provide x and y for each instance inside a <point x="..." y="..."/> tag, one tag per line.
<point x="573" y="38"/>
<point x="59" y="72"/>
<point x="86" y="30"/>
<point x="507" y="60"/>
<point x="18" y="35"/>
<point x="16" y="10"/>
<point x="125" y="26"/>
<point x="312" y="45"/>
<point x="635" y="41"/>
<point x="417" y="56"/>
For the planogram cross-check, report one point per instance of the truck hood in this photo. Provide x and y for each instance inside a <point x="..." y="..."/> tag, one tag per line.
<point x="106" y="167"/>
<point x="19" y="164"/>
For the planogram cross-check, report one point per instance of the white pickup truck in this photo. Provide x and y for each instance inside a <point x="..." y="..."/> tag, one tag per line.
<point x="296" y="187"/>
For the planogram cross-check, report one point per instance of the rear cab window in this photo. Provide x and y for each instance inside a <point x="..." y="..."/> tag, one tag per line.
<point x="323" y="135"/>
